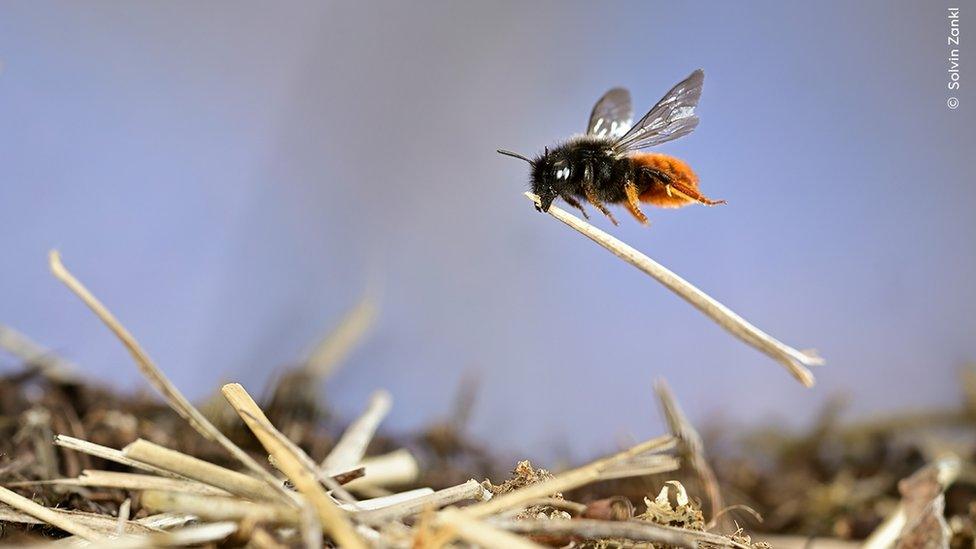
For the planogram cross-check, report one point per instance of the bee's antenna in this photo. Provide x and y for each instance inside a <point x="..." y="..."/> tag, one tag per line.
<point x="514" y="155"/>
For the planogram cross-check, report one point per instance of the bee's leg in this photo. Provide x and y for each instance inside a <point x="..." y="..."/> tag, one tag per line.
<point x="593" y="199"/>
<point x="657" y="174"/>
<point x="673" y="188"/>
<point x="692" y="196"/>
<point x="576" y="204"/>
<point x="590" y="192"/>
<point x="633" y="202"/>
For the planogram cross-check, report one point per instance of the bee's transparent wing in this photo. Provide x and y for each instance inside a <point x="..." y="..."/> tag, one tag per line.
<point x="672" y="117"/>
<point x="612" y="115"/>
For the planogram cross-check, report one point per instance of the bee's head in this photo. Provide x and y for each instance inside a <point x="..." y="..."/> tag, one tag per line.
<point x="548" y="174"/>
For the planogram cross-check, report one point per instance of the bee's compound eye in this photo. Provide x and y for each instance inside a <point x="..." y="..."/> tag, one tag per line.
<point x="562" y="173"/>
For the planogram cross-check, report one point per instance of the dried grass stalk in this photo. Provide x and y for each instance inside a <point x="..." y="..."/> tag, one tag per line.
<point x="393" y="469"/>
<point x="123" y="517"/>
<point x="334" y="347"/>
<point x="199" y="470"/>
<point x="386" y="501"/>
<point x="128" y="481"/>
<point x="50" y="364"/>
<point x="795" y="361"/>
<point x="566" y="481"/>
<point x="690" y="444"/>
<point x="102" y="524"/>
<point x="482" y="534"/>
<point x="211" y="508"/>
<point x="166" y="521"/>
<point x="334" y="521"/>
<point x="110" y="454"/>
<point x="155" y="376"/>
<point x="191" y="535"/>
<point x="470" y="490"/>
<point x="47" y="515"/>
<point x="640" y="468"/>
<point x="351" y="447"/>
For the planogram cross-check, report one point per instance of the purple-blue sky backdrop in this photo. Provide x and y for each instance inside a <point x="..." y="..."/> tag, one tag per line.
<point x="229" y="176"/>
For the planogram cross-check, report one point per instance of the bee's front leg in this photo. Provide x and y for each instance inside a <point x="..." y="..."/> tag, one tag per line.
<point x="545" y="200"/>
<point x="589" y="190"/>
<point x="576" y="204"/>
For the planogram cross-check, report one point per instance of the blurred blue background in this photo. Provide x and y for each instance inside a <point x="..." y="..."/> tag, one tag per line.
<point x="229" y="177"/>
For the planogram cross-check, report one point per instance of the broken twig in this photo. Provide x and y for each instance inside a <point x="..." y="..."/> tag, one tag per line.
<point x="795" y="361"/>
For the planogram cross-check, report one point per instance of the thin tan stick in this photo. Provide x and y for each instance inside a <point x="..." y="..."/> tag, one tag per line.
<point x="199" y="470"/>
<point x="49" y="516"/>
<point x="795" y="361"/>
<point x="386" y="501"/>
<point x="211" y="508"/>
<point x="128" y="481"/>
<point x="336" y="346"/>
<point x="566" y="481"/>
<point x="190" y="536"/>
<point x="690" y="443"/>
<point x="352" y="445"/>
<point x="102" y="524"/>
<point x="123" y="517"/>
<point x="470" y="490"/>
<point x="49" y="363"/>
<point x="110" y="454"/>
<point x="392" y="469"/>
<point x="641" y="468"/>
<point x="155" y="376"/>
<point x="334" y="520"/>
<point x="481" y="533"/>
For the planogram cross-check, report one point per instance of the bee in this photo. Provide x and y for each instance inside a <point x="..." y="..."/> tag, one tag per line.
<point x="606" y="165"/>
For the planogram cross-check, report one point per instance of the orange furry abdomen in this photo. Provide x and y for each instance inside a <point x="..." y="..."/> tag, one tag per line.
<point x="683" y="179"/>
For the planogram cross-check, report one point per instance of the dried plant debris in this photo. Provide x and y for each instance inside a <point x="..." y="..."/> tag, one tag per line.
<point x="678" y="511"/>
<point x="62" y="448"/>
<point x="523" y="475"/>
<point x="92" y="466"/>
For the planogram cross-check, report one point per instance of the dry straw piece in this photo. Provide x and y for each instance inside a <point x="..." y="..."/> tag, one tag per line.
<point x="395" y="468"/>
<point x="199" y="470"/>
<point x="574" y="478"/>
<point x="220" y="508"/>
<point x="482" y="534"/>
<point x="110" y="454"/>
<point x="127" y="481"/>
<point x="333" y="520"/>
<point x="48" y="363"/>
<point x="797" y="362"/>
<point x="690" y="444"/>
<point x="156" y="378"/>
<point x="333" y="348"/>
<point x="470" y="490"/>
<point x="351" y="447"/>
<point x="47" y="515"/>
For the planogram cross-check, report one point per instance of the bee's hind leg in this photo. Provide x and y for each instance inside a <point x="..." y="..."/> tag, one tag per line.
<point x="633" y="202"/>
<point x="676" y="189"/>
<point x="576" y="204"/>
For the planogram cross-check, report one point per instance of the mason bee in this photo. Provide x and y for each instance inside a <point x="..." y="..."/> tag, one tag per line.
<point x="606" y="165"/>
